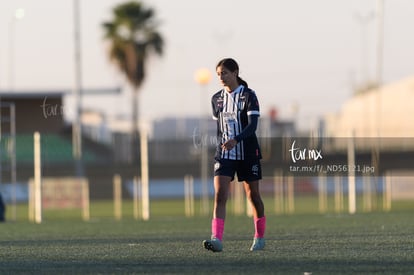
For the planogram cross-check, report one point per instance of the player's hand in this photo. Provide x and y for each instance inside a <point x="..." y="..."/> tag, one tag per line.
<point x="229" y="144"/>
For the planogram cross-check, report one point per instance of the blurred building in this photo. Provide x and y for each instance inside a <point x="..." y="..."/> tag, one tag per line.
<point x="180" y="139"/>
<point x="380" y="112"/>
<point x="174" y="149"/>
<point x="190" y="128"/>
<point x="24" y="112"/>
<point x="33" y="111"/>
<point x="182" y="128"/>
<point x="95" y="126"/>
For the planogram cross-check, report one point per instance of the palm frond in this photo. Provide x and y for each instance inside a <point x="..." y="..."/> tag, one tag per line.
<point x="132" y="35"/>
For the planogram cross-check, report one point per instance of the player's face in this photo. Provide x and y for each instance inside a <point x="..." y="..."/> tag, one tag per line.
<point x="227" y="78"/>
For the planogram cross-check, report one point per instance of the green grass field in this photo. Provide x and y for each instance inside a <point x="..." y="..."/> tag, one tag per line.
<point x="363" y="243"/>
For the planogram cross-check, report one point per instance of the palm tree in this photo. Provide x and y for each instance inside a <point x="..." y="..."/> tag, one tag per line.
<point x="133" y="37"/>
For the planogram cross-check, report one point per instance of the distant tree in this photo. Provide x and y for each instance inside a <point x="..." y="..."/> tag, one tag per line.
<point x="133" y="37"/>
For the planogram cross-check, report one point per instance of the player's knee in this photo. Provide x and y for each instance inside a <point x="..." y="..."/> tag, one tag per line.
<point x="221" y="198"/>
<point x="252" y="194"/>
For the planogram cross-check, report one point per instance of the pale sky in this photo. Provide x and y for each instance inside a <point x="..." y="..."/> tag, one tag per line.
<point x="291" y="52"/>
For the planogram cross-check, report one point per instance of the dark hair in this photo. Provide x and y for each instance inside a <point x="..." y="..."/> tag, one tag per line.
<point x="231" y="65"/>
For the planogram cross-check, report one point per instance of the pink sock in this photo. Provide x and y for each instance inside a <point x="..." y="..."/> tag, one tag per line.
<point x="259" y="227"/>
<point x="217" y="228"/>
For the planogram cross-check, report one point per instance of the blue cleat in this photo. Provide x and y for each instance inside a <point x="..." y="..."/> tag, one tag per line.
<point x="214" y="245"/>
<point x="258" y="244"/>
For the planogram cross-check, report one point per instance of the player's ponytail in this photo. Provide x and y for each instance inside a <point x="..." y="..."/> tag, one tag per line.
<point x="242" y="82"/>
<point x="232" y="66"/>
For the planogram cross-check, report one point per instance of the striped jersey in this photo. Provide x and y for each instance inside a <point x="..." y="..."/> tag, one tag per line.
<point x="231" y="111"/>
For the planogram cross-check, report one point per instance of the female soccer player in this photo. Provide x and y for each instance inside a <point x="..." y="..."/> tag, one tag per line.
<point x="236" y="110"/>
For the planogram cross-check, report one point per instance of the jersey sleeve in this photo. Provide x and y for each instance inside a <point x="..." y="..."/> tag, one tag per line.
<point x="215" y="106"/>
<point x="253" y="105"/>
<point x="214" y="109"/>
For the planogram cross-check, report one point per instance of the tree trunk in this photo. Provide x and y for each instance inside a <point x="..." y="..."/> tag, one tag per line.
<point x="135" y="128"/>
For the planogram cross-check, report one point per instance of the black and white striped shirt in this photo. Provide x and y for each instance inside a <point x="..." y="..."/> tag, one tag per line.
<point x="231" y="110"/>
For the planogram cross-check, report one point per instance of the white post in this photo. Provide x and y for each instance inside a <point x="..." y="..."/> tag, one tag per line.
<point x="291" y="194"/>
<point x="13" y="157"/>
<point x="367" y="191"/>
<point x="387" y="191"/>
<point x="204" y="172"/>
<point x="351" y="176"/>
<point x="278" y="191"/>
<point x="187" y="209"/>
<point x="37" y="179"/>
<point x="322" y="193"/>
<point x="85" y="200"/>
<point x="31" y="201"/>
<point x="117" y="187"/>
<point x="145" y="175"/>
<point x="203" y="76"/>
<point x="338" y="194"/>
<point x="136" y="188"/>
<point x="77" y="91"/>
<point x="189" y="195"/>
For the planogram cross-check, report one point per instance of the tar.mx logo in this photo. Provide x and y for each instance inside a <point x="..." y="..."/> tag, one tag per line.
<point x="200" y="140"/>
<point x="304" y="154"/>
<point x="51" y="110"/>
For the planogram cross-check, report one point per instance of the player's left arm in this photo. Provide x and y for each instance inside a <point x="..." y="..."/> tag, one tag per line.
<point x="250" y="129"/>
<point x="253" y="114"/>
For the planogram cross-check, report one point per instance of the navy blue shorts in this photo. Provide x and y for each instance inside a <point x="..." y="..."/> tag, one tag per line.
<point x="247" y="170"/>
